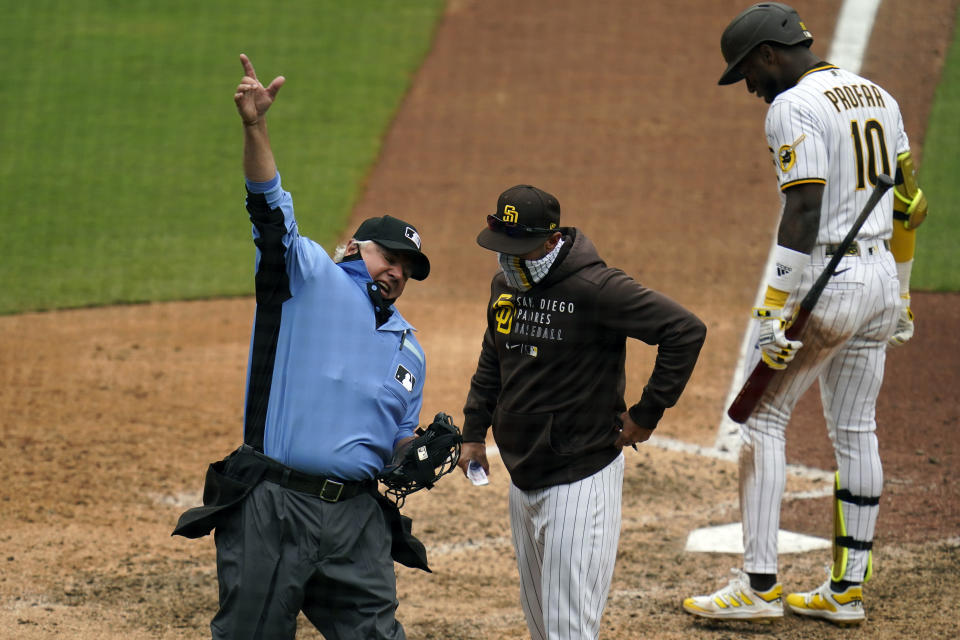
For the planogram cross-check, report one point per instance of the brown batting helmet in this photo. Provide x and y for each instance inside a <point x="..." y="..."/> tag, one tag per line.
<point x="763" y="22"/>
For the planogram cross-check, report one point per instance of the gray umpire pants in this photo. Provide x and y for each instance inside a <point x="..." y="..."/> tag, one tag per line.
<point x="282" y="551"/>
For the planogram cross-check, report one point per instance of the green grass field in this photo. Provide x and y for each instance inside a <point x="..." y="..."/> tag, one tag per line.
<point x="120" y="170"/>
<point x="120" y="173"/>
<point x="937" y="263"/>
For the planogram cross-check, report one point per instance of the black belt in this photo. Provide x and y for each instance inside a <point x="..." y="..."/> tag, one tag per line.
<point x="831" y="249"/>
<point x="854" y="248"/>
<point x="329" y="489"/>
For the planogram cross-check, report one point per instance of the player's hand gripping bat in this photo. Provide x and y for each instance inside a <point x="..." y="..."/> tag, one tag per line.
<point x="746" y="401"/>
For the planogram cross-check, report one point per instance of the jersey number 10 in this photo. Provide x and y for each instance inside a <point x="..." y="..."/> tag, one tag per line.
<point x="871" y="141"/>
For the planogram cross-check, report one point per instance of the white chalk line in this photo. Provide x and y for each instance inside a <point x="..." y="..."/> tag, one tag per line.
<point x="671" y="444"/>
<point x="668" y="444"/>
<point x="187" y="499"/>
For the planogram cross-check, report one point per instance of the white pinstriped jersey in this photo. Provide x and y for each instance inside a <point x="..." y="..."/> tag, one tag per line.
<point x="840" y="130"/>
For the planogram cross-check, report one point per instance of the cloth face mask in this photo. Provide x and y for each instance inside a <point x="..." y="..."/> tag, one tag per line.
<point x="523" y="274"/>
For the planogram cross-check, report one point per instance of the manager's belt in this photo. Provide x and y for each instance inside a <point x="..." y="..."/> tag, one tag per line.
<point x="857" y="248"/>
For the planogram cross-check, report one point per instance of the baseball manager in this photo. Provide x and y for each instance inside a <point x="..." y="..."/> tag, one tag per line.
<point x="551" y="380"/>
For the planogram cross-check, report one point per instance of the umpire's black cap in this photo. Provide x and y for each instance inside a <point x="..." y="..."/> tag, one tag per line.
<point x="398" y="236"/>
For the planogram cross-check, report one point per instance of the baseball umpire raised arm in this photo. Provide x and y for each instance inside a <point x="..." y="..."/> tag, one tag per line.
<point x="334" y="391"/>
<point x="833" y="136"/>
<point x="551" y="381"/>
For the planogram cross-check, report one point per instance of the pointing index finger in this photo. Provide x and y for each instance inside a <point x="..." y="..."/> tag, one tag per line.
<point x="247" y="66"/>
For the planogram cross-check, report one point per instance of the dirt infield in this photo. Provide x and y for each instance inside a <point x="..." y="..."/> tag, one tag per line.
<point x="110" y="415"/>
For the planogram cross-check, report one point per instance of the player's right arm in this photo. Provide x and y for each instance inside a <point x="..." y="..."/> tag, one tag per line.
<point x="801" y="217"/>
<point x="796" y="238"/>
<point x="795" y="137"/>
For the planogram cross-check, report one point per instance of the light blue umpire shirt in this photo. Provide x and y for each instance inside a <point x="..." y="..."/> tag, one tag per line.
<point x="343" y="391"/>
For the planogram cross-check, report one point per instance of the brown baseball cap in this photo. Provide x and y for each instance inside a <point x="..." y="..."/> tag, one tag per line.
<point x="398" y="236"/>
<point x="524" y="218"/>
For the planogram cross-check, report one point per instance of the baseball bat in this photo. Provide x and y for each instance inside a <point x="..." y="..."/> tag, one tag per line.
<point x="746" y="401"/>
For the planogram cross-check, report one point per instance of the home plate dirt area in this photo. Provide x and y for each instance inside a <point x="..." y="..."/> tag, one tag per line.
<point x="111" y="415"/>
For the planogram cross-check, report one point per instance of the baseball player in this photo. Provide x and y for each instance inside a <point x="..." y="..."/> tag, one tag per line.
<point x="830" y="133"/>
<point x="551" y="379"/>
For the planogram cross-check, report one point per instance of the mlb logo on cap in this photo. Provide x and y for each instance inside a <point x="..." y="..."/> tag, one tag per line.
<point x="413" y="235"/>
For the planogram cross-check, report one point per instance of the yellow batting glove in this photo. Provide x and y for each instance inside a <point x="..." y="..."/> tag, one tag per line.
<point x="775" y="349"/>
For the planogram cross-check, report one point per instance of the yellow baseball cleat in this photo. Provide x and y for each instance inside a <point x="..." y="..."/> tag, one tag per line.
<point x="737" y="601"/>
<point x="843" y="609"/>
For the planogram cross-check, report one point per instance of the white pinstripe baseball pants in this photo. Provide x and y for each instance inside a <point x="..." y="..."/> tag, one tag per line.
<point x="844" y="347"/>
<point x="565" y="538"/>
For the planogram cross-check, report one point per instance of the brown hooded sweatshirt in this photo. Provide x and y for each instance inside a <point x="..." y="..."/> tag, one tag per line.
<point x="551" y="377"/>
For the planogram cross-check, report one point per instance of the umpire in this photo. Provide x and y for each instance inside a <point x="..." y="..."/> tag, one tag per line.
<point x="334" y="389"/>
